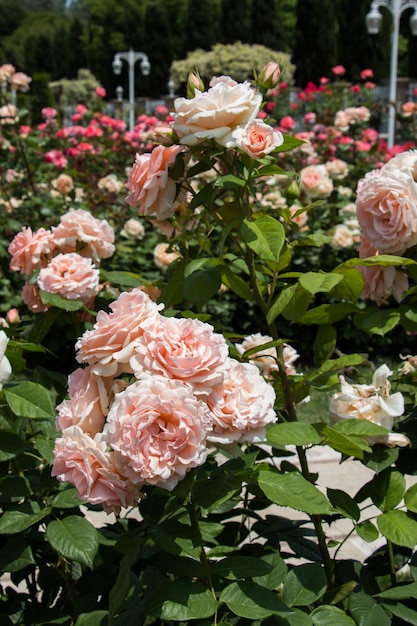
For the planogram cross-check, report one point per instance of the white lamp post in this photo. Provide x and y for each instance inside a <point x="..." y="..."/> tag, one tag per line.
<point x="373" y="24"/>
<point x="131" y="57"/>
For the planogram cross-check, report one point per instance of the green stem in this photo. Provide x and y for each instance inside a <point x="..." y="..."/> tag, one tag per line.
<point x="391" y="560"/>
<point x="194" y="519"/>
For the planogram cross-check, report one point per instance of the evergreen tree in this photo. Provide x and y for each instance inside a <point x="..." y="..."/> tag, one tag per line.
<point x="201" y="25"/>
<point x="315" y="49"/>
<point x="75" y="50"/>
<point x="267" y="27"/>
<point x="158" y="46"/>
<point x="235" y="21"/>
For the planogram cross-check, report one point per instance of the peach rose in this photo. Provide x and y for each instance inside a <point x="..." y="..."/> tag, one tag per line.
<point x="315" y="181"/>
<point x="404" y="161"/>
<point x="182" y="349"/>
<point x="64" y="184"/>
<point x="157" y="430"/>
<point x="342" y="237"/>
<point x="79" y="226"/>
<point x="32" y="299"/>
<point x="71" y="276"/>
<point x="112" y="340"/>
<point x="386" y="208"/>
<point x="85" y="463"/>
<point x="162" y="258"/>
<point x="373" y="403"/>
<point x="257" y="139"/>
<point x="215" y="113"/>
<point x="20" y="81"/>
<point x="151" y="189"/>
<point x="133" y="229"/>
<point x="266" y="358"/>
<point x="31" y="250"/>
<point x="337" y="169"/>
<point x="382" y="282"/>
<point x="88" y="402"/>
<point x="241" y="406"/>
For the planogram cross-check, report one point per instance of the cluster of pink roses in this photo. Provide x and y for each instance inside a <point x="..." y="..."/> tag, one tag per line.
<point x="386" y="209"/>
<point x="63" y="260"/>
<point x="154" y="394"/>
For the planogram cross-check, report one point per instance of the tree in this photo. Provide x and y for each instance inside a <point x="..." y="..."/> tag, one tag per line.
<point x="200" y="25"/>
<point x="158" y="46"/>
<point x="315" y="49"/>
<point x="235" y="21"/>
<point x="267" y="27"/>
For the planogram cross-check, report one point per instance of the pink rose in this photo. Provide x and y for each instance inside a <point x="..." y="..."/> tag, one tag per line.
<point x="268" y="77"/>
<point x="366" y="74"/>
<point x="215" y="113"/>
<point x="288" y="122"/>
<point x="71" y="276"/>
<point x="386" y="208"/>
<point x="20" y="81"/>
<point x="241" y="406"/>
<point x="157" y="430"/>
<point x="338" y="70"/>
<point x="31" y="250"/>
<point x="182" y="349"/>
<point x="112" y="340"/>
<point x="315" y="181"/>
<point x="32" y="299"/>
<point x="257" y="139"/>
<point x="404" y="161"/>
<point x="86" y="464"/>
<point x="162" y="258"/>
<point x="151" y="188"/>
<point x="88" y="402"/>
<point x="382" y="282"/>
<point x="80" y="227"/>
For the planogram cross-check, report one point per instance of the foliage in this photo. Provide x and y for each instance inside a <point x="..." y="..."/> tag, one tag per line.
<point x="248" y="537"/>
<point x="80" y="90"/>
<point x="238" y="60"/>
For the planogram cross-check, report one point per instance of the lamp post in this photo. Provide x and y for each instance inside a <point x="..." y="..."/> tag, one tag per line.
<point x="373" y="24"/>
<point x="131" y="57"/>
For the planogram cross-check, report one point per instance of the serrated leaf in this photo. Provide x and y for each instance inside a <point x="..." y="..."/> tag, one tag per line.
<point x="30" y="400"/>
<point x="367" y="531"/>
<point x="410" y="498"/>
<point x="342" y="501"/>
<point x="180" y="601"/>
<point x="330" y="616"/>
<point x="399" y="528"/>
<point x="377" y="321"/>
<point x="293" y="433"/>
<point x="247" y="599"/>
<point x="401" y="592"/>
<point x="75" y="538"/>
<point x="294" y="491"/>
<point x="304" y="584"/>
<point x="53" y="299"/>
<point x="316" y="282"/>
<point x="265" y="236"/>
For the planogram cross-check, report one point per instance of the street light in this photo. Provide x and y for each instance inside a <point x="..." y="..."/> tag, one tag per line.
<point x="373" y="24"/>
<point x="131" y="57"/>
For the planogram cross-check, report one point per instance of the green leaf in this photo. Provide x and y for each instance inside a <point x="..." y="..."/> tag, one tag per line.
<point x="366" y="612"/>
<point x="229" y="181"/>
<point x="124" y="279"/>
<point x="384" y="260"/>
<point x="273" y="579"/>
<point x="67" y="499"/>
<point x="316" y="282"/>
<point x="201" y="285"/>
<point x="75" y="538"/>
<point x="410" y="498"/>
<point x="304" y="584"/>
<point x="247" y="599"/>
<point x="342" y="443"/>
<point x="238" y="567"/>
<point x="235" y="283"/>
<point x="399" y="528"/>
<point x="407" y="615"/>
<point x="351" y="287"/>
<point x="327" y="615"/>
<point x="15" y="555"/>
<point x="324" y="343"/>
<point x="93" y="618"/>
<point x="180" y="601"/>
<point x="265" y="236"/>
<point x="210" y="494"/>
<point x="294" y="491"/>
<point x="401" y="592"/>
<point x="380" y="457"/>
<point x="11" y="445"/>
<point x="16" y="521"/>
<point x="280" y="303"/>
<point x="388" y="489"/>
<point x="376" y="321"/>
<point x="30" y="400"/>
<point x="344" y="503"/>
<point x="293" y="433"/>
<point x="367" y="531"/>
<point x="53" y="299"/>
<point x="328" y="313"/>
<point x="359" y="428"/>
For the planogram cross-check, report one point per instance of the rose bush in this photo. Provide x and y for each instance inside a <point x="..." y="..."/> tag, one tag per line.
<point x="184" y="401"/>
